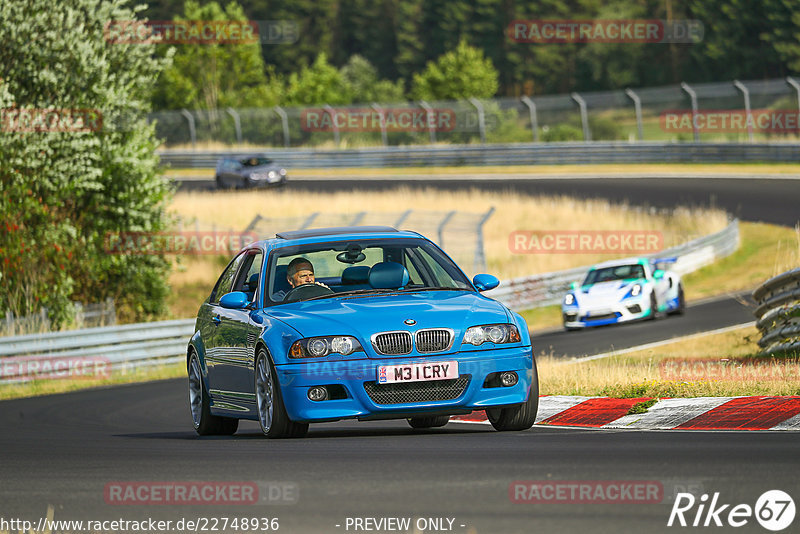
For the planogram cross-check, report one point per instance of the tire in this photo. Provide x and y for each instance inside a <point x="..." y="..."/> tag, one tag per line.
<point x="272" y="416"/>
<point x="205" y="424"/>
<point x="430" y="421"/>
<point x="220" y="183"/>
<point x="653" y="308"/>
<point x="520" y="417"/>
<point x="681" y="309"/>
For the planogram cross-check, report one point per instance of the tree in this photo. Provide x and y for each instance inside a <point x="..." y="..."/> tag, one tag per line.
<point x="364" y="86"/>
<point x="461" y="73"/>
<point x="64" y="191"/>
<point x="216" y="76"/>
<point x="321" y="83"/>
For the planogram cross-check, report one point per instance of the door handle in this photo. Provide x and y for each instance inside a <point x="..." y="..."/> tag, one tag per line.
<point x="216" y="319"/>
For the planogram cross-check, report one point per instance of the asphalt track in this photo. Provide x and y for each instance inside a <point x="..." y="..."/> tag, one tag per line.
<point x="772" y="200"/>
<point x="63" y="451"/>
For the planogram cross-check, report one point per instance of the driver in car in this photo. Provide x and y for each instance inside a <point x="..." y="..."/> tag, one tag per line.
<point x="299" y="272"/>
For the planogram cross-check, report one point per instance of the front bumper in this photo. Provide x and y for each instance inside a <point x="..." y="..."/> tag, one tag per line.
<point x="296" y="378"/>
<point x="630" y="309"/>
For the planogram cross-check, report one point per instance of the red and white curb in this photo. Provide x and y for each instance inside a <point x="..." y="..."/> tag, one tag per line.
<point x="699" y="413"/>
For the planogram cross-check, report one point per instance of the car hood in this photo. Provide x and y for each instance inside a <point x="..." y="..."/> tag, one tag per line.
<point x="363" y="316"/>
<point x="605" y="292"/>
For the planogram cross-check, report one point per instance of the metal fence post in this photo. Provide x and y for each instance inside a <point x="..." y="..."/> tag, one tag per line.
<point x="402" y="218"/>
<point x="534" y="120"/>
<point x="379" y="109"/>
<point x="693" y="97"/>
<point x="330" y="111"/>
<point x="440" y="229"/>
<point x="637" y="106"/>
<point x="791" y="81"/>
<point x="480" y="256"/>
<point x="192" y="131"/>
<point x="358" y="218"/>
<point x="740" y="86"/>
<point x="309" y="220"/>
<point x="237" y="124"/>
<point x="587" y="134"/>
<point x="481" y="118"/>
<point x="430" y="119"/>
<point x="284" y="123"/>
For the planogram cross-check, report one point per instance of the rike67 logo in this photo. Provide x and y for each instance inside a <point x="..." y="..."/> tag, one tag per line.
<point x="774" y="510"/>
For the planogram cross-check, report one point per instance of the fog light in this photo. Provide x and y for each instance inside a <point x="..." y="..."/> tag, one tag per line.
<point x="508" y="379"/>
<point x="317" y="393"/>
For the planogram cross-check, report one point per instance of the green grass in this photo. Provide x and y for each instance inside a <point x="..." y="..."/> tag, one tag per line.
<point x="641" y="407"/>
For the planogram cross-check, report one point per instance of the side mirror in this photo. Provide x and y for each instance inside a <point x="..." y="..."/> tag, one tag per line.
<point x="573" y="285"/>
<point x="485" y="282"/>
<point x="658" y="274"/>
<point x="235" y="300"/>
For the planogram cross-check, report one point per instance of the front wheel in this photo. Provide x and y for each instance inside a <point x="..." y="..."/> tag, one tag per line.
<point x="272" y="416"/>
<point x="430" y="421"/>
<point x="205" y="424"/>
<point x="522" y="416"/>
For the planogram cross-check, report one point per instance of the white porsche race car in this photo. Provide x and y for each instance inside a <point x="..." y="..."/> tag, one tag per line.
<point x="623" y="290"/>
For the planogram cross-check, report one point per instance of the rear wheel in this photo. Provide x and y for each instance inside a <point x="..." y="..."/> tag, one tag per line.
<point x="205" y="424"/>
<point x="272" y="416"/>
<point x="681" y="309"/>
<point x="522" y="416"/>
<point x="431" y="421"/>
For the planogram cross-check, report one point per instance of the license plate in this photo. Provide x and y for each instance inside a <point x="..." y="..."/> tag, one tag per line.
<point x="417" y="372"/>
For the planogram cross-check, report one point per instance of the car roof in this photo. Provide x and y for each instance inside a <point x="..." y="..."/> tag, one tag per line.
<point x="322" y="235"/>
<point x="618" y="263"/>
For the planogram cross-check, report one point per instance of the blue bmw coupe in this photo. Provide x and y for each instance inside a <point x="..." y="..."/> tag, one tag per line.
<point x="360" y="323"/>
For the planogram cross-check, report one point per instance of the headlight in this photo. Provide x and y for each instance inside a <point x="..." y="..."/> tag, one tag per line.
<point x="569" y="299"/>
<point x="318" y="347"/>
<point x="283" y="172"/>
<point x="493" y="333"/>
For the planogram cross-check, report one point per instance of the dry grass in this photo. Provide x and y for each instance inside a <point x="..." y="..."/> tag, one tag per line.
<point x="513" y="212"/>
<point x="736" y="367"/>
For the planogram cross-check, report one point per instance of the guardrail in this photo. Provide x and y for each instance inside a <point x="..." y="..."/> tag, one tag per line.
<point x="549" y="288"/>
<point x="116" y="349"/>
<point x="501" y="154"/>
<point x="778" y="312"/>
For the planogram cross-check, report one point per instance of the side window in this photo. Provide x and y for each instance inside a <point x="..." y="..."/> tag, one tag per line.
<point x="247" y="280"/>
<point x="225" y="282"/>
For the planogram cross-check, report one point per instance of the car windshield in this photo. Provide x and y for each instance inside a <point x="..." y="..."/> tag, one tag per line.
<point x="609" y="274"/>
<point x="345" y="267"/>
<point x="255" y="162"/>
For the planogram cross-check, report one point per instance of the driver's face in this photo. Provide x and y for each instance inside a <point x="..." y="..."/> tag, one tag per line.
<point x="304" y="275"/>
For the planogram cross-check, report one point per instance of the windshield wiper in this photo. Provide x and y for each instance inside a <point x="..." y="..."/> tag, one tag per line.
<point x="352" y="292"/>
<point x="436" y="288"/>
